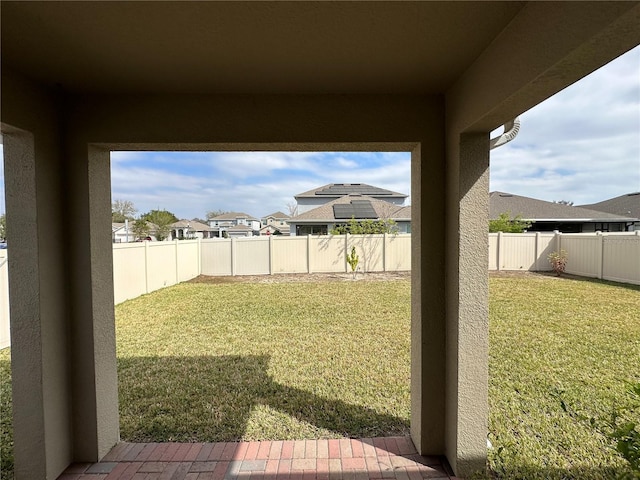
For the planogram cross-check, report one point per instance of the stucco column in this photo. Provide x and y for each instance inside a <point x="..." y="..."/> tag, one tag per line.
<point x="40" y="377"/>
<point x="93" y="353"/>
<point x="467" y="332"/>
<point x="427" y="299"/>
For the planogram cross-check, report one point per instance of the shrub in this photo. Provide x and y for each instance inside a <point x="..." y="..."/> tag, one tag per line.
<point x="558" y="261"/>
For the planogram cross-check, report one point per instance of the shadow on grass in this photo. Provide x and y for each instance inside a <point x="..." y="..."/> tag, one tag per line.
<point x="577" y="278"/>
<point x="211" y="399"/>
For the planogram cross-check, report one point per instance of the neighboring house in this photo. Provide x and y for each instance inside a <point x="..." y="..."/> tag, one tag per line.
<point x="189" y="229"/>
<point x="627" y="205"/>
<point x="240" y="231"/>
<point x="548" y="216"/>
<point x="223" y="225"/>
<point x="123" y="233"/>
<point x="275" y="223"/>
<point x="321" y="220"/>
<point x="120" y="233"/>
<point x="319" y="196"/>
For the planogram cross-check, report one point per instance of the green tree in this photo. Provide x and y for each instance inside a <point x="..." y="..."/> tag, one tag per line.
<point x="365" y="227"/>
<point x="505" y="224"/>
<point x="3" y="226"/>
<point x="141" y="228"/>
<point x="162" y="219"/>
<point x="122" y="210"/>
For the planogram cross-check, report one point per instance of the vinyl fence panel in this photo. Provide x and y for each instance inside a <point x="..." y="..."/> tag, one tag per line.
<point x="327" y="254"/>
<point x="397" y="253"/>
<point x="370" y="250"/>
<point x="251" y="256"/>
<point x="289" y="254"/>
<point x="584" y="254"/>
<point x="612" y="256"/>
<point x="621" y="259"/>
<point x="187" y="260"/>
<point x="520" y="251"/>
<point x="216" y="257"/>
<point x="129" y="271"/>
<point x="162" y="270"/>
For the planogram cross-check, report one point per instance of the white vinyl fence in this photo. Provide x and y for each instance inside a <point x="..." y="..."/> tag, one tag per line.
<point x="140" y="268"/>
<point x="609" y="256"/>
<point x="308" y="254"/>
<point x="144" y="267"/>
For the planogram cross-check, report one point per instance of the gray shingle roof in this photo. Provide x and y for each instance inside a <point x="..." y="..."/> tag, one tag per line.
<point x="193" y="225"/>
<point x="333" y="190"/>
<point x="533" y="209"/>
<point x="627" y="205"/>
<point x="325" y="213"/>
<point x="279" y="215"/>
<point x="233" y="216"/>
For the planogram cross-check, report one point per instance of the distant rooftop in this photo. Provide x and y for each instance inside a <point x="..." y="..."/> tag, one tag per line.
<point x="341" y="189"/>
<point x="233" y="216"/>
<point x="361" y="207"/>
<point x="627" y="205"/>
<point x="278" y="215"/>
<point x="534" y="209"/>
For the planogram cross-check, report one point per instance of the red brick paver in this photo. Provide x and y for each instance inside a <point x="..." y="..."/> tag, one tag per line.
<point x="334" y="459"/>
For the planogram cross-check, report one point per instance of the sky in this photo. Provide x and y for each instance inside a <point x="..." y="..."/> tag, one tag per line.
<point x="581" y="145"/>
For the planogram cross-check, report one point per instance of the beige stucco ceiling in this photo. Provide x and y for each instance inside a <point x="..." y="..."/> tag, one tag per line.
<point x="249" y="47"/>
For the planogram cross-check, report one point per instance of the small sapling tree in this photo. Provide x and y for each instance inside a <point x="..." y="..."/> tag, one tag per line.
<point x="352" y="260"/>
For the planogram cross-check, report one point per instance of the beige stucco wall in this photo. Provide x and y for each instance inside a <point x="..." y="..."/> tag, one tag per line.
<point x="5" y="337"/>
<point x="35" y="203"/>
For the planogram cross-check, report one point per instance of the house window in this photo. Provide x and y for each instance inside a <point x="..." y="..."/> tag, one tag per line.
<point x="311" y="230"/>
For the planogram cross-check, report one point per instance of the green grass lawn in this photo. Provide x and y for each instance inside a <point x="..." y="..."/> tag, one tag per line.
<point x="237" y="361"/>
<point x="265" y="361"/>
<point x="551" y="335"/>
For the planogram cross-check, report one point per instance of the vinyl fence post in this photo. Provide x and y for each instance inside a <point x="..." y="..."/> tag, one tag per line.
<point x="233" y="257"/>
<point x="308" y="253"/>
<point x="384" y="252"/>
<point x="271" y="254"/>
<point x="537" y="253"/>
<point x="146" y="266"/>
<point x="346" y="252"/>
<point x="499" y="254"/>
<point x="177" y="261"/>
<point x="558" y="240"/>
<point x="600" y="254"/>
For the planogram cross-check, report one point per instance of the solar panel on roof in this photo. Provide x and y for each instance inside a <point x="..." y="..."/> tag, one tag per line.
<point x="341" y="189"/>
<point x="360" y="209"/>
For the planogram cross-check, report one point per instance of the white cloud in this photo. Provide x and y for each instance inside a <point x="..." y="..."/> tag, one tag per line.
<point x="582" y="144"/>
<point x="257" y="183"/>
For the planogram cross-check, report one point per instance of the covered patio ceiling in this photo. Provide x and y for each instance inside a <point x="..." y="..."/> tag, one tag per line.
<point x="249" y="47"/>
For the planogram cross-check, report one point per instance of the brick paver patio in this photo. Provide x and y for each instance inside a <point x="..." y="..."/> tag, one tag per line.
<point x="336" y="459"/>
